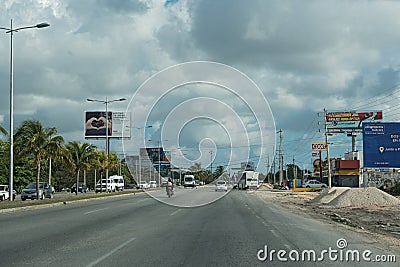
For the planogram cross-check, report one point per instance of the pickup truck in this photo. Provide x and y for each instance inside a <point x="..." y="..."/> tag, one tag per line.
<point x="4" y="192"/>
<point x="105" y="185"/>
<point x="119" y="182"/>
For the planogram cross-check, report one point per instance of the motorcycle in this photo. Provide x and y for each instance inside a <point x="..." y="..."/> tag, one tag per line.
<point x="170" y="191"/>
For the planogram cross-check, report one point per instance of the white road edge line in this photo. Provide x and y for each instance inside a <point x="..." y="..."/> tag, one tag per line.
<point x="95" y="211"/>
<point x="175" y="212"/>
<point x="93" y="263"/>
<point x="274" y="233"/>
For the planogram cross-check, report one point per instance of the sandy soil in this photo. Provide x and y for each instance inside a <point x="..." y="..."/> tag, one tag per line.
<point x="381" y="222"/>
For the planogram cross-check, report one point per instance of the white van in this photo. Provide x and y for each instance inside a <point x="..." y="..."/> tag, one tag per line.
<point x="119" y="182"/>
<point x="189" y="181"/>
<point x="105" y="185"/>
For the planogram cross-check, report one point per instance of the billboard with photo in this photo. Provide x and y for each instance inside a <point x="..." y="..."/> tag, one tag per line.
<point x="119" y="124"/>
<point x="351" y="120"/>
<point x="381" y="145"/>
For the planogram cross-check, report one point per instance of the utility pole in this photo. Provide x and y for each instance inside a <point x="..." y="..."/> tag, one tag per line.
<point x="274" y="163"/>
<point x="327" y="151"/>
<point x="268" y="176"/>
<point x="294" y="170"/>
<point x="280" y="158"/>
<point x="211" y="152"/>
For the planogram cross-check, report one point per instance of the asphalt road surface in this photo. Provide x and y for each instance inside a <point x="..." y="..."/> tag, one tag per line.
<point x="238" y="229"/>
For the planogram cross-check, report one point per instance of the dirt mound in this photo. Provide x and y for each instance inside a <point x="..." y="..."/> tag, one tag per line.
<point x="355" y="197"/>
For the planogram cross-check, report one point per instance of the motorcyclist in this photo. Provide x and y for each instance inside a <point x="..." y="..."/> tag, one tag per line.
<point x="170" y="186"/>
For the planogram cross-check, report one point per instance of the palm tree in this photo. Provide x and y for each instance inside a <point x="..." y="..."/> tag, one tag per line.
<point x="80" y="157"/>
<point x="113" y="161"/>
<point x="2" y="130"/>
<point x="32" y="138"/>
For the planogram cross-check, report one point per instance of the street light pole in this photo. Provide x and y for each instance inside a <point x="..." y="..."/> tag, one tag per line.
<point x="106" y="102"/>
<point x="11" y="32"/>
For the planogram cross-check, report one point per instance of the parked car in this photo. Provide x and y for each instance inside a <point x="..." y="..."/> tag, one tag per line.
<point x="221" y="186"/>
<point x="164" y="183"/>
<point x="144" y="185"/>
<point x="314" y="184"/>
<point x="153" y="184"/>
<point x="81" y="188"/>
<point x="45" y="191"/>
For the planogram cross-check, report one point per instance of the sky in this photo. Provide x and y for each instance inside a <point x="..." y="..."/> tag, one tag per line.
<point x="295" y="58"/>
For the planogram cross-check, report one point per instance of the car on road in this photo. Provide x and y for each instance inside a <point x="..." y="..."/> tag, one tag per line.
<point x="153" y="184"/>
<point x="119" y="182"/>
<point x="144" y="185"/>
<point x="105" y="185"/>
<point x="221" y="186"/>
<point x="189" y="181"/>
<point x="130" y="186"/>
<point x="45" y="191"/>
<point x="82" y="188"/>
<point x="4" y="192"/>
<point x="314" y="184"/>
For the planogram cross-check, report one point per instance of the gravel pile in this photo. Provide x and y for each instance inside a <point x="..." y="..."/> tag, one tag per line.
<point x="327" y="196"/>
<point x="355" y="197"/>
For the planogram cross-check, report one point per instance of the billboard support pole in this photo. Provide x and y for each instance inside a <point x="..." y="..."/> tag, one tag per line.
<point x="327" y="152"/>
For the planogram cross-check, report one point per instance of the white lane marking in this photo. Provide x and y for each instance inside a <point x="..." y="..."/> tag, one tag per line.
<point x="175" y="212"/>
<point x="274" y="233"/>
<point x="95" y="211"/>
<point x="93" y="263"/>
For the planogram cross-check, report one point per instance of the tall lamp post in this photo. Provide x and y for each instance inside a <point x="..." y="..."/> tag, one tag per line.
<point x="106" y="102"/>
<point x="11" y="32"/>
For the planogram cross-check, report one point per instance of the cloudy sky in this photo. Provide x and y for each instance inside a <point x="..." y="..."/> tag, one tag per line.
<point x="304" y="56"/>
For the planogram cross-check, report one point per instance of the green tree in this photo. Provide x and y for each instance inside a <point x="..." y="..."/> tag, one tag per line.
<point x="32" y="138"/>
<point x="113" y="161"/>
<point x="2" y="130"/>
<point x="80" y="157"/>
<point x="218" y="172"/>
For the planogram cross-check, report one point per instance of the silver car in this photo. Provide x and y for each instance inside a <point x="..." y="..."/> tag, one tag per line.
<point x="221" y="186"/>
<point x="314" y="184"/>
<point x="45" y="191"/>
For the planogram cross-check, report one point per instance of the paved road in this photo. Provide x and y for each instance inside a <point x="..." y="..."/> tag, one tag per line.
<point x="137" y="230"/>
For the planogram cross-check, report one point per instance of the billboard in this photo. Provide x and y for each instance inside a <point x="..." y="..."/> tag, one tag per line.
<point x="319" y="146"/>
<point x="158" y="158"/>
<point x="381" y="145"/>
<point x="119" y="124"/>
<point x="155" y="154"/>
<point x="350" y="120"/>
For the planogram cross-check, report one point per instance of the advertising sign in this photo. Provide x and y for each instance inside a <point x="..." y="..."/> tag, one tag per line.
<point x="155" y="154"/>
<point x="381" y="145"/>
<point x="318" y="146"/>
<point x="351" y="119"/>
<point x="119" y="124"/>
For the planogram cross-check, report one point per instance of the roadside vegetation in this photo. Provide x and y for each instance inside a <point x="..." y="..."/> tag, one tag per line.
<point x="41" y="155"/>
<point x="63" y="200"/>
